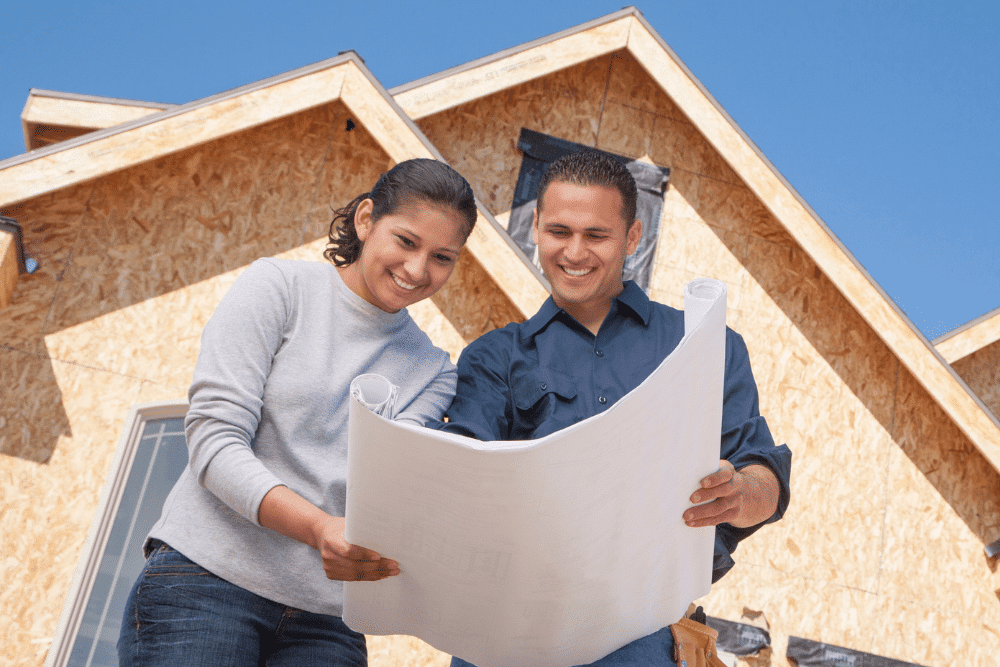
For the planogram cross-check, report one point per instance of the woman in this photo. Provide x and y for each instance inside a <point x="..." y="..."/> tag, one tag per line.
<point x="244" y="566"/>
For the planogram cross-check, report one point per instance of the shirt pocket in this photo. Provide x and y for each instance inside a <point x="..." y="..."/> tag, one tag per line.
<point x="544" y="397"/>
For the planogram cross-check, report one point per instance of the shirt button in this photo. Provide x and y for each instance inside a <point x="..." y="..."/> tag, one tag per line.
<point x="543" y="386"/>
<point x="602" y="400"/>
<point x="599" y="353"/>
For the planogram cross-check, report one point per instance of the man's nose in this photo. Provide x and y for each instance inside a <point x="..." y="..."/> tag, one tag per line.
<point x="575" y="250"/>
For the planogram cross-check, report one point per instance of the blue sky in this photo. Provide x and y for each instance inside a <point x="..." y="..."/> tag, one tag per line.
<point x="884" y="115"/>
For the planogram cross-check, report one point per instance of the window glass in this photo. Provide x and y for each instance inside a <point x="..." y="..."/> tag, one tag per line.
<point x="160" y="457"/>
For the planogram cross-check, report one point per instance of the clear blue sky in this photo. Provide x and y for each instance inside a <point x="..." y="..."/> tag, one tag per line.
<point x="884" y="115"/>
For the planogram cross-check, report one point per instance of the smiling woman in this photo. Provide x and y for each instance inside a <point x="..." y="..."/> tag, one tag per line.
<point x="407" y="256"/>
<point x="246" y="562"/>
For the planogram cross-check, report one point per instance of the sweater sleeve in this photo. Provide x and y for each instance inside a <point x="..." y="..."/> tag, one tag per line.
<point x="431" y="403"/>
<point x="226" y="397"/>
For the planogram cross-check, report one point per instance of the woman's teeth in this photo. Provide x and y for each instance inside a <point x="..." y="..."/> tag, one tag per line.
<point x="402" y="284"/>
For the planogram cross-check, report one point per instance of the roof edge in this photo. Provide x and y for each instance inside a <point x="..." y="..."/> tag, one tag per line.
<point x="968" y="325"/>
<point x="98" y="99"/>
<point x="514" y="50"/>
<point x="349" y="56"/>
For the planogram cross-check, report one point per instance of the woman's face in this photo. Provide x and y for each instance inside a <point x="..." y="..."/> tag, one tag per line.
<point x="407" y="255"/>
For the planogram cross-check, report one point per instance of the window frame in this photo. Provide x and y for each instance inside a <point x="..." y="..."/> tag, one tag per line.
<point x="94" y="549"/>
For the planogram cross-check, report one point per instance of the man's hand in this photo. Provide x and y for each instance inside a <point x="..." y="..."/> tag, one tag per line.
<point x="741" y="498"/>
<point x="348" y="562"/>
<point x="290" y="514"/>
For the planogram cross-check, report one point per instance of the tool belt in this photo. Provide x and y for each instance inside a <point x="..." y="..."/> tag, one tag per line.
<point x="694" y="642"/>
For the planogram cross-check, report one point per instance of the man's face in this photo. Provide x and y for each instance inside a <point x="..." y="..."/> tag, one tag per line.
<point x="582" y="241"/>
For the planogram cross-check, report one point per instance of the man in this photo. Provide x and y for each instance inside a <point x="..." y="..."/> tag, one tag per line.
<point x="595" y="340"/>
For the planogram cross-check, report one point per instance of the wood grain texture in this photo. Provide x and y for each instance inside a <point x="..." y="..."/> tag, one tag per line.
<point x="981" y="334"/>
<point x="981" y="371"/>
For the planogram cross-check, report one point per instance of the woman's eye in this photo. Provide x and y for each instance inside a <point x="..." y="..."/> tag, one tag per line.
<point x="444" y="259"/>
<point x="406" y="242"/>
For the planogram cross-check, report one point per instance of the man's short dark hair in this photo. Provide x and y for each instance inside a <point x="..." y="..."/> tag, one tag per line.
<point x="593" y="168"/>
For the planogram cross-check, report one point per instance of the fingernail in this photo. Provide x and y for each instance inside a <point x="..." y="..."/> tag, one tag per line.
<point x="688" y="516"/>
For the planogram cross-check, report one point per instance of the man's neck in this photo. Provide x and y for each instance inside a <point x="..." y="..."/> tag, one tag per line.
<point x="590" y="316"/>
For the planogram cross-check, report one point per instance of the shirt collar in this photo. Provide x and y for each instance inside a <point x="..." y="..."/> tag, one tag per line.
<point x="631" y="296"/>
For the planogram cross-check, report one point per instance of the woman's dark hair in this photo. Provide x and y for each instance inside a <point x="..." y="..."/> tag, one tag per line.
<point x="419" y="179"/>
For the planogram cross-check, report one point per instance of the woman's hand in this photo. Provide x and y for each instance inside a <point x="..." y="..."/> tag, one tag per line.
<point x="348" y="562"/>
<point x="290" y="514"/>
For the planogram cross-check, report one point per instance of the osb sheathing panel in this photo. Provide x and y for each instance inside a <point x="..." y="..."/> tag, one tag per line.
<point x="8" y="267"/>
<point x="59" y="425"/>
<point x="939" y="544"/>
<point x="50" y="224"/>
<point x="403" y="651"/>
<point x="981" y="371"/>
<point x="983" y="333"/>
<point x="185" y="221"/>
<point x="813" y="238"/>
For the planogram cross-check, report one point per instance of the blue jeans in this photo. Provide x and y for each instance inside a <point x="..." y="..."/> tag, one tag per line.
<point x="179" y="613"/>
<point x="652" y="650"/>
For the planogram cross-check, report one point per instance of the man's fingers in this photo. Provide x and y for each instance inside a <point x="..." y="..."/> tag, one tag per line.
<point x="718" y="511"/>
<point x="724" y="474"/>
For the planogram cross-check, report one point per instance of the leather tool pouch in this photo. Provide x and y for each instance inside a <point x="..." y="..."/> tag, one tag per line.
<point x="694" y="644"/>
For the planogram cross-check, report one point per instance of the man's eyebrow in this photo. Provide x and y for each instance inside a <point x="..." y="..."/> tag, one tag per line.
<point x="560" y="225"/>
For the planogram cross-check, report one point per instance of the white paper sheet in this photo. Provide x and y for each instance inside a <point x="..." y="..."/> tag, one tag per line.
<point x="549" y="552"/>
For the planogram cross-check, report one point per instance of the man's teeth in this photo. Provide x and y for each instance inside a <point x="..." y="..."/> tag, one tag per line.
<point x="581" y="272"/>
<point x="402" y="284"/>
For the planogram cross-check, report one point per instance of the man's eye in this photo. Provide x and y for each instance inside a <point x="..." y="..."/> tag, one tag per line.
<point x="406" y="242"/>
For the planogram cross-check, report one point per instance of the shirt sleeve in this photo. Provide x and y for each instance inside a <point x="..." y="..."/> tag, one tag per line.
<point x="483" y="404"/>
<point x="746" y="438"/>
<point x="430" y="404"/>
<point x="226" y="397"/>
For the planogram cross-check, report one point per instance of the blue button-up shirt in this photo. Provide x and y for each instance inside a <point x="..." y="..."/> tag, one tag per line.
<point x="533" y="378"/>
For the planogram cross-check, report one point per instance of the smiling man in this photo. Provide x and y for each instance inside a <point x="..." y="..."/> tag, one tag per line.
<point x="595" y="340"/>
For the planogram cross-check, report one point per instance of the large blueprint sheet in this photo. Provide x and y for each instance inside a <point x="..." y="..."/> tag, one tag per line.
<point x="549" y="552"/>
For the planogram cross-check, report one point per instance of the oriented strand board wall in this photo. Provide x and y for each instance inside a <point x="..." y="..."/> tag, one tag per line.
<point x="981" y="371"/>
<point x="131" y="267"/>
<point x="882" y="547"/>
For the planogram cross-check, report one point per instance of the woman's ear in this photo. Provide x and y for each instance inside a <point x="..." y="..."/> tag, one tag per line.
<point x="363" y="222"/>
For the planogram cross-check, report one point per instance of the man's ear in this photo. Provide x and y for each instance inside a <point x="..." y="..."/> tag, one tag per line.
<point x="534" y="226"/>
<point x="363" y="219"/>
<point x="633" y="236"/>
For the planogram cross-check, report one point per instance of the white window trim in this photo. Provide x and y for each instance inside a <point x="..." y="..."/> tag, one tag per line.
<point x="100" y="528"/>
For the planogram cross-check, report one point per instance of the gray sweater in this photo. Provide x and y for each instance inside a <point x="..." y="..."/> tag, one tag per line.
<point x="269" y="405"/>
